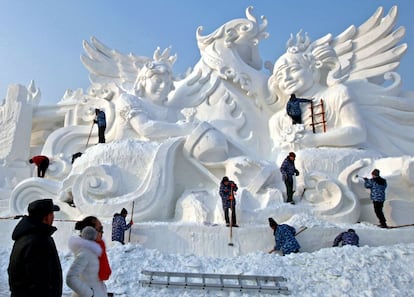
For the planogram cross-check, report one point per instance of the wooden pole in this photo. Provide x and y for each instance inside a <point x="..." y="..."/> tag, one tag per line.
<point x="90" y="133"/>
<point x="231" y="215"/>
<point x="132" y="215"/>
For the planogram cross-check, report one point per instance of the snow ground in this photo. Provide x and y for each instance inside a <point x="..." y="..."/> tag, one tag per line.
<point x="371" y="271"/>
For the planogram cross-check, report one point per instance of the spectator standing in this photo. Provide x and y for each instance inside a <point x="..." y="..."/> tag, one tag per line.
<point x="228" y="189"/>
<point x="83" y="274"/>
<point x="104" y="267"/>
<point x="284" y="237"/>
<point x="34" y="269"/>
<point x="42" y="163"/>
<point x="377" y="185"/>
<point x="288" y="169"/>
<point x="101" y="121"/>
<point x="119" y="226"/>
<point x="347" y="238"/>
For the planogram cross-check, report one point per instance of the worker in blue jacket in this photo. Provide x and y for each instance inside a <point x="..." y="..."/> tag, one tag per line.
<point x="101" y="121"/>
<point x="288" y="170"/>
<point x="347" y="238"/>
<point x="284" y="237"/>
<point x="377" y="185"/>
<point x="293" y="108"/>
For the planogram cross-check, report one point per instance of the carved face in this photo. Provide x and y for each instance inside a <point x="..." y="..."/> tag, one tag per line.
<point x="157" y="86"/>
<point x="293" y="75"/>
<point x="155" y="82"/>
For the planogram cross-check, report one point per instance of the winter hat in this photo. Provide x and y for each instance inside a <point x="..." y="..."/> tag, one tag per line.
<point x="272" y="223"/>
<point x="124" y="211"/>
<point x="351" y="230"/>
<point x="41" y="208"/>
<point x="375" y="172"/>
<point x="89" y="233"/>
<point x="225" y="179"/>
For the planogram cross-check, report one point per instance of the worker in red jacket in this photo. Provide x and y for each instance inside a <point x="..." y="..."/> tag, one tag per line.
<point x="42" y="163"/>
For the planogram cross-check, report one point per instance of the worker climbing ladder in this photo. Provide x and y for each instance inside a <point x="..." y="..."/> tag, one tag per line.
<point x="209" y="281"/>
<point x="318" y="115"/>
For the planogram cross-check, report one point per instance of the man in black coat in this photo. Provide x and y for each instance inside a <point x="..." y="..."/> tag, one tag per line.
<point x="34" y="268"/>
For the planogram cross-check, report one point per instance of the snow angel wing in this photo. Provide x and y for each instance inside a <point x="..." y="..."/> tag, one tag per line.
<point x="371" y="50"/>
<point x="107" y="65"/>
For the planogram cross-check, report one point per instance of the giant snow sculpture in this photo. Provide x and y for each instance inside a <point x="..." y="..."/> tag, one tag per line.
<point x="171" y="139"/>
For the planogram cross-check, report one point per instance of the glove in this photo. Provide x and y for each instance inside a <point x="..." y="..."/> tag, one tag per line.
<point x="296" y="172"/>
<point x="365" y="178"/>
<point x="95" y="121"/>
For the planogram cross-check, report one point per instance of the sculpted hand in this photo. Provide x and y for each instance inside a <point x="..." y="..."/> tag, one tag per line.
<point x="185" y="125"/>
<point x="308" y="140"/>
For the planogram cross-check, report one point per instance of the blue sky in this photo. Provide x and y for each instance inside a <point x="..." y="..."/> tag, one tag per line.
<point x="42" y="40"/>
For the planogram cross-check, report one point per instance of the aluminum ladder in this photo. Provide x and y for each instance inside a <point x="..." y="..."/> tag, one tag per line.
<point x="209" y="281"/>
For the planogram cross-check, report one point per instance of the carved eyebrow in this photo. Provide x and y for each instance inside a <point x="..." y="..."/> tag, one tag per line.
<point x="281" y="67"/>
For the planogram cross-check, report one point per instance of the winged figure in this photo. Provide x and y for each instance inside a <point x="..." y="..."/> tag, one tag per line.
<point x="107" y="65"/>
<point x="227" y="86"/>
<point x="354" y="74"/>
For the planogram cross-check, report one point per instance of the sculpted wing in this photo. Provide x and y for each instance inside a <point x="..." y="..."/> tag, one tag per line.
<point x="368" y="56"/>
<point x="107" y="65"/>
<point x="371" y="50"/>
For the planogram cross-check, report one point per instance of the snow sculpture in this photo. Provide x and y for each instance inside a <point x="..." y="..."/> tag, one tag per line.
<point x="15" y="136"/>
<point x="227" y="86"/>
<point x="137" y="110"/>
<point x="170" y="139"/>
<point x="347" y="72"/>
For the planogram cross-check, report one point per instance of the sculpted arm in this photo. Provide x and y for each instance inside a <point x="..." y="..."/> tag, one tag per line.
<point x="151" y="128"/>
<point x="344" y="124"/>
<point x="349" y="131"/>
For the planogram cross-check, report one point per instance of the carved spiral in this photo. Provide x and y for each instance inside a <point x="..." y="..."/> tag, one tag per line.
<point x="31" y="190"/>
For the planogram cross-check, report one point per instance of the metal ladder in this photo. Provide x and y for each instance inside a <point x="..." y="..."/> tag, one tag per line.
<point x="209" y="281"/>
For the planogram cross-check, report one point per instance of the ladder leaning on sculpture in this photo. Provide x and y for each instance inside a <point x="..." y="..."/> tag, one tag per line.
<point x="318" y="111"/>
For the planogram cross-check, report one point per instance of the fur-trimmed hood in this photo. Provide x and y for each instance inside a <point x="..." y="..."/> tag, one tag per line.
<point x="76" y="243"/>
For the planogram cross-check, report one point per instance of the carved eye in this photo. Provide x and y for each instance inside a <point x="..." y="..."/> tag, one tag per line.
<point x="245" y="28"/>
<point x="158" y="80"/>
<point x="149" y="65"/>
<point x="279" y="76"/>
